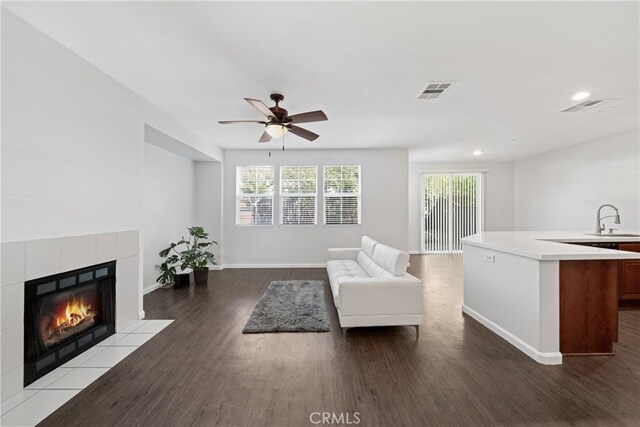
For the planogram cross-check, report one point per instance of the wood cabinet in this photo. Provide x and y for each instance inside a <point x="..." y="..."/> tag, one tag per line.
<point x="629" y="275"/>
<point x="588" y="307"/>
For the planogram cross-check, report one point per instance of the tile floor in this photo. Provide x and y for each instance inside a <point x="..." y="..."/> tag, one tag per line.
<point x="42" y="397"/>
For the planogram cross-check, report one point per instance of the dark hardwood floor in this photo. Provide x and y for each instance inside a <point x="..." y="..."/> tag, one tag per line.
<point x="203" y="371"/>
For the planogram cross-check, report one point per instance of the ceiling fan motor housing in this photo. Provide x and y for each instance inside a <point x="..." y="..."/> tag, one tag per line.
<point x="279" y="113"/>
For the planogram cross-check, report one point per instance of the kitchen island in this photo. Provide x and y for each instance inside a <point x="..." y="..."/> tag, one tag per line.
<point x="545" y="292"/>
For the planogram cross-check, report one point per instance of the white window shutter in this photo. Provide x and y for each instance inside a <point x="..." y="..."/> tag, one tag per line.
<point x="298" y="193"/>
<point x="254" y="195"/>
<point x="342" y="192"/>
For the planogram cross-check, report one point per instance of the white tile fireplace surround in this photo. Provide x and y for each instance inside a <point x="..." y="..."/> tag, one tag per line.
<point x="27" y="260"/>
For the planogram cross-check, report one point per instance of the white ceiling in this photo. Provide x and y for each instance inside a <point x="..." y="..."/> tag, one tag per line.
<point x="515" y="66"/>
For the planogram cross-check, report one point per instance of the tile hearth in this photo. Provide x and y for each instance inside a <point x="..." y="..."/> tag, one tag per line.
<point x="41" y="398"/>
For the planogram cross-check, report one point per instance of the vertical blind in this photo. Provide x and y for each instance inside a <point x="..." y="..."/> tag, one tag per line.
<point x="254" y="195"/>
<point x="298" y="188"/>
<point x="452" y="209"/>
<point x="341" y="195"/>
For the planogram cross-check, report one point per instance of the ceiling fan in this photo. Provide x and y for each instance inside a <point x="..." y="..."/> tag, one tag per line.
<point x="279" y="121"/>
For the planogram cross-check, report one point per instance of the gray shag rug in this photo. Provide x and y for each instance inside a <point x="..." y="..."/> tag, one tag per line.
<point x="290" y="306"/>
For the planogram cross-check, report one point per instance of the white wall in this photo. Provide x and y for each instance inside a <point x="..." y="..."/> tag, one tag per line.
<point x="72" y="141"/>
<point x="562" y="190"/>
<point x="498" y="195"/>
<point x="169" y="205"/>
<point x="384" y="208"/>
<point x="208" y="193"/>
<point x="72" y="162"/>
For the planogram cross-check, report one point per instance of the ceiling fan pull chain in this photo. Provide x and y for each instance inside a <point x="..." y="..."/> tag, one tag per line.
<point x="282" y="142"/>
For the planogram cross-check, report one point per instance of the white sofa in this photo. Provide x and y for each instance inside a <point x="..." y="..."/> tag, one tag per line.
<point x="371" y="286"/>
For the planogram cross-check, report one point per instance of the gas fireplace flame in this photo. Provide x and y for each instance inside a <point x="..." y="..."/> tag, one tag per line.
<point x="75" y="312"/>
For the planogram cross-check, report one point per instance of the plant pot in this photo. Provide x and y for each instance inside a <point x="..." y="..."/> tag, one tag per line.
<point x="201" y="277"/>
<point x="181" y="281"/>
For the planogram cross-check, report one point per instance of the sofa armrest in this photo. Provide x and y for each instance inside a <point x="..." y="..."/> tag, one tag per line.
<point x="342" y="253"/>
<point x="381" y="296"/>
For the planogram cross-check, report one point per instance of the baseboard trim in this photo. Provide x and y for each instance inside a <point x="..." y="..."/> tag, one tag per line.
<point x="415" y="252"/>
<point x="538" y="356"/>
<point x="319" y="265"/>
<point x="156" y="285"/>
<point x="151" y="288"/>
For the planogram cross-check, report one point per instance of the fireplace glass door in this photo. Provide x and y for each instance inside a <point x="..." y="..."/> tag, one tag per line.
<point x="65" y="315"/>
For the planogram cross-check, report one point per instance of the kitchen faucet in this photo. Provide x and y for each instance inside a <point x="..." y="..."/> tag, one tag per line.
<point x="599" y="226"/>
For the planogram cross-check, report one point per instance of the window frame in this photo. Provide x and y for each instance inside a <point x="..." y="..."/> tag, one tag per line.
<point x="240" y="195"/>
<point x="282" y="195"/>
<point x="358" y="195"/>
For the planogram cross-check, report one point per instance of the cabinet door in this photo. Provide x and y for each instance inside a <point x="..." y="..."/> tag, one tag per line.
<point x="629" y="286"/>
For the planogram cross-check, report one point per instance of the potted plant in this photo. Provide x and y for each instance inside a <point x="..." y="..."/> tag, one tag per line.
<point x="167" y="274"/>
<point x="194" y="255"/>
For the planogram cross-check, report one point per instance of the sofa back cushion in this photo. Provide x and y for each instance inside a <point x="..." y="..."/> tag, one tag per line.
<point x="368" y="245"/>
<point x="370" y="267"/>
<point x="391" y="259"/>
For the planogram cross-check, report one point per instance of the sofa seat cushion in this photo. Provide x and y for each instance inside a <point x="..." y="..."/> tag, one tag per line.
<point x="391" y="259"/>
<point x="341" y="269"/>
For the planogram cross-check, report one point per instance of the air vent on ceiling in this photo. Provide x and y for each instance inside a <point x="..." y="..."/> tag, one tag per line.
<point x="581" y="106"/>
<point x="434" y="90"/>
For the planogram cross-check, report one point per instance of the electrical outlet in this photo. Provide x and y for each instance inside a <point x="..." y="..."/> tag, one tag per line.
<point x="490" y="258"/>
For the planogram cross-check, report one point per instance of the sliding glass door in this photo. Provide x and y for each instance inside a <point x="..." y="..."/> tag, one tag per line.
<point x="451" y="209"/>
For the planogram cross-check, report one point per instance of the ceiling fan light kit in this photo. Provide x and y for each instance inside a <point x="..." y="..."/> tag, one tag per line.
<point x="276" y="131"/>
<point x="279" y="121"/>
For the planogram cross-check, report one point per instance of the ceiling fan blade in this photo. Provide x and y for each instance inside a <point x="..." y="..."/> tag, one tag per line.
<point x="265" y="137"/>
<point x="311" y="116"/>
<point x="226" y="122"/>
<point x="259" y="105"/>
<point x="303" y="133"/>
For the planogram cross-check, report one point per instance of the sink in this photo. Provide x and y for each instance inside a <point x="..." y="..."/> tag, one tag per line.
<point x="614" y="235"/>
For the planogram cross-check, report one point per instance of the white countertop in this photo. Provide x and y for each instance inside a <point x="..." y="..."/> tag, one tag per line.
<point x="546" y="245"/>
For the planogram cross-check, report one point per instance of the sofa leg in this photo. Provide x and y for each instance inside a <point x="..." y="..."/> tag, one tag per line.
<point x="344" y="333"/>
<point x="417" y="330"/>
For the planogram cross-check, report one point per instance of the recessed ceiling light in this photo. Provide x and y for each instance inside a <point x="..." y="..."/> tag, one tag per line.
<point x="477" y="153"/>
<point x="579" y="96"/>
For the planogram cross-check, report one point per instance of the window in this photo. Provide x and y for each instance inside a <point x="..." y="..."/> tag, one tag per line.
<point x="452" y="209"/>
<point x="298" y="188"/>
<point x="254" y="195"/>
<point x="341" y="195"/>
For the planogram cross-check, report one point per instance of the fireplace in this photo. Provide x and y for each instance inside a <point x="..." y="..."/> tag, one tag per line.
<point x="65" y="315"/>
